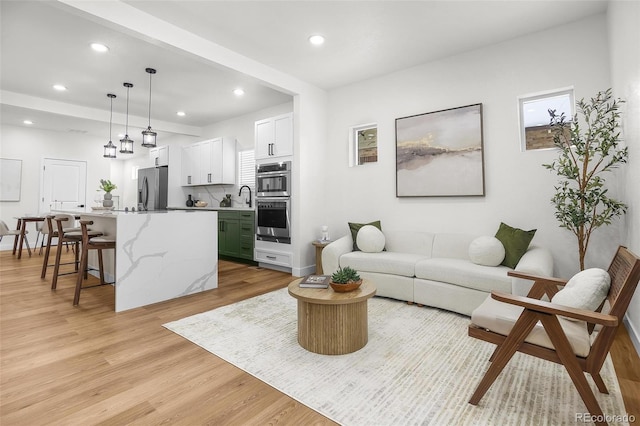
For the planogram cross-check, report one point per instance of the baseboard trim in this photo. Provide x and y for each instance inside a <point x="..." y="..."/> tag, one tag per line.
<point x="633" y="333"/>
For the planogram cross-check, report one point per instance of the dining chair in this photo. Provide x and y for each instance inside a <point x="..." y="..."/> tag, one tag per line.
<point x="4" y="231"/>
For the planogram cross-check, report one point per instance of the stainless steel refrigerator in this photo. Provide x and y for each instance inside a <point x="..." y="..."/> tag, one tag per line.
<point x="152" y="188"/>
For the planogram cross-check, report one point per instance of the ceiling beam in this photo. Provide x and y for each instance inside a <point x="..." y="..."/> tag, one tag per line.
<point x="46" y="105"/>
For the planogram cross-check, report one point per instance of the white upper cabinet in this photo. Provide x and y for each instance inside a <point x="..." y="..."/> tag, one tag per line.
<point x="210" y="162"/>
<point x="274" y="137"/>
<point x="159" y="155"/>
<point x="190" y="174"/>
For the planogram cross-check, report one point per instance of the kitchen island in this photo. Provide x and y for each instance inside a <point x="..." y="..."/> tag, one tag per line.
<point x="159" y="255"/>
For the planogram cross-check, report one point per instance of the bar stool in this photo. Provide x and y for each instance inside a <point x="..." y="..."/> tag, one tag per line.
<point x="74" y="237"/>
<point x="99" y="243"/>
<point x="52" y="232"/>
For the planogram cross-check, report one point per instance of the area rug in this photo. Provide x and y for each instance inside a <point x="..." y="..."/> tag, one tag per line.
<point x="418" y="368"/>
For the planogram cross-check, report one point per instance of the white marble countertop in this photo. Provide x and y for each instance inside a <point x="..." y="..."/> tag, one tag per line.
<point x="211" y="208"/>
<point x="117" y="213"/>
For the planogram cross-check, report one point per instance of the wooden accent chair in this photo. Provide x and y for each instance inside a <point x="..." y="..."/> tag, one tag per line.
<point x="557" y="341"/>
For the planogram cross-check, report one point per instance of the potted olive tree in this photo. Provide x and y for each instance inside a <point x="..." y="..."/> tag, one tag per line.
<point x="581" y="201"/>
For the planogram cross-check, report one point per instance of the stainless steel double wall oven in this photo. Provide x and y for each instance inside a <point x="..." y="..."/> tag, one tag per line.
<point x="273" y="202"/>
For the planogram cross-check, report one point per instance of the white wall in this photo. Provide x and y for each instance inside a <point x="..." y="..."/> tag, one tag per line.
<point x="32" y="146"/>
<point x="518" y="188"/>
<point x="624" y="33"/>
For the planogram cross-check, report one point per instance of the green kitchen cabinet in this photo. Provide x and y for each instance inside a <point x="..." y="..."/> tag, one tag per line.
<point x="236" y="234"/>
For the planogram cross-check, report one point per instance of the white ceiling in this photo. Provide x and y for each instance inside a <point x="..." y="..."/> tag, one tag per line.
<point x="46" y="42"/>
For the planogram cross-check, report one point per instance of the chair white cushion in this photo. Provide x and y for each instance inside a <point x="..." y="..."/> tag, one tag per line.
<point x="103" y="240"/>
<point x="585" y="290"/>
<point x="500" y="318"/>
<point x="370" y="239"/>
<point x="487" y="251"/>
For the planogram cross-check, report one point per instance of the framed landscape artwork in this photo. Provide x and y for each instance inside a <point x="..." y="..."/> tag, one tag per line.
<point x="440" y="153"/>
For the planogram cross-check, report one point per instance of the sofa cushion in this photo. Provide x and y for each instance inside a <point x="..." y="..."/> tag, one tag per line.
<point x="452" y="245"/>
<point x="487" y="251"/>
<point x="370" y="239"/>
<point x="515" y="242"/>
<point x="500" y="318"/>
<point x="415" y="242"/>
<point x="355" y="227"/>
<point x="384" y="262"/>
<point x="465" y="273"/>
<point x="585" y="290"/>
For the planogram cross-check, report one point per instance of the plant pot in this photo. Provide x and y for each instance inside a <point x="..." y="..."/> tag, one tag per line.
<point x="344" y="288"/>
<point x="107" y="201"/>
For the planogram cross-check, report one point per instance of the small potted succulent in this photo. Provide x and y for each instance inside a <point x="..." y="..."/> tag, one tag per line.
<point x="107" y="187"/>
<point x="345" y="279"/>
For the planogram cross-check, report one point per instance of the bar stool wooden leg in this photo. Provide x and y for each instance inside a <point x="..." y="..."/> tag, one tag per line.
<point x="84" y="260"/>
<point x="101" y="263"/>
<point x="45" y="262"/>
<point x="77" y="254"/>
<point x="56" y="267"/>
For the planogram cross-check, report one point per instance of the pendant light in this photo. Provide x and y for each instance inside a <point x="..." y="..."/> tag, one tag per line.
<point x="126" y="144"/>
<point x="149" y="136"/>
<point x="110" y="148"/>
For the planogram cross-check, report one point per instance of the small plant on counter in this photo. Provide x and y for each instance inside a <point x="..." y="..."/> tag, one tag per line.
<point x="345" y="275"/>
<point x="107" y="186"/>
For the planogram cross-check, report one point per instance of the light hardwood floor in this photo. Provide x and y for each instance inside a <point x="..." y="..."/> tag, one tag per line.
<point x="89" y="365"/>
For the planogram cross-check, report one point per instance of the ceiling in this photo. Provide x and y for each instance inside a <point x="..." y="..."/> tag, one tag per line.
<point x="47" y="42"/>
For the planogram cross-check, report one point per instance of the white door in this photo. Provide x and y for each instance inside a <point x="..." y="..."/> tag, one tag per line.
<point x="63" y="185"/>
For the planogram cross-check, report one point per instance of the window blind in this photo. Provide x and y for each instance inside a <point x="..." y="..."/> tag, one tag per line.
<point x="247" y="168"/>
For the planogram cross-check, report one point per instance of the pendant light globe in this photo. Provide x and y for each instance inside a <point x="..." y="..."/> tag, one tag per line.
<point x="126" y="144"/>
<point x="149" y="136"/>
<point x="110" y="148"/>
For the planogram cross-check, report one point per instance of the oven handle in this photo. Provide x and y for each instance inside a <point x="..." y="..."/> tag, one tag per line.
<point x="270" y="199"/>
<point x="274" y="173"/>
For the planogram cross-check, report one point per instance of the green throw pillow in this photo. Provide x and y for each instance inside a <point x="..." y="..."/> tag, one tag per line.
<point x="515" y="242"/>
<point x="355" y="227"/>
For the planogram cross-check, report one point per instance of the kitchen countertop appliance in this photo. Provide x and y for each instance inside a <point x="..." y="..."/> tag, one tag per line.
<point x="153" y="188"/>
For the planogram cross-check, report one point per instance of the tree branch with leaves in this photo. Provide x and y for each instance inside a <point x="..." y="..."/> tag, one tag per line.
<point x="581" y="201"/>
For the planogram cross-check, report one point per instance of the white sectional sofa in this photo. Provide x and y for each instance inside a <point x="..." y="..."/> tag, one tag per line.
<point x="434" y="269"/>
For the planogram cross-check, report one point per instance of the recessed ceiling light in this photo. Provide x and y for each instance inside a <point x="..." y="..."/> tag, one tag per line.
<point x="238" y="92"/>
<point x="99" y="47"/>
<point x="181" y="113"/>
<point x="316" y="40"/>
<point x="28" y="122"/>
<point x="59" y="87"/>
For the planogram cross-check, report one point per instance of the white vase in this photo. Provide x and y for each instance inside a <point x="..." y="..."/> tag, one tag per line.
<point x="107" y="201"/>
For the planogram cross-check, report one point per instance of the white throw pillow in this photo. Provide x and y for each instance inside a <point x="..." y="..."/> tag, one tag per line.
<point x="370" y="239"/>
<point x="585" y="290"/>
<point x="487" y="251"/>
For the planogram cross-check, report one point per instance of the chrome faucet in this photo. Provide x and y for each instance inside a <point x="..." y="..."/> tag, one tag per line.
<point x="240" y="193"/>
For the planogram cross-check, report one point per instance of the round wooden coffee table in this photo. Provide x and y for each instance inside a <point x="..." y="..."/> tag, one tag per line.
<point x="331" y="323"/>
